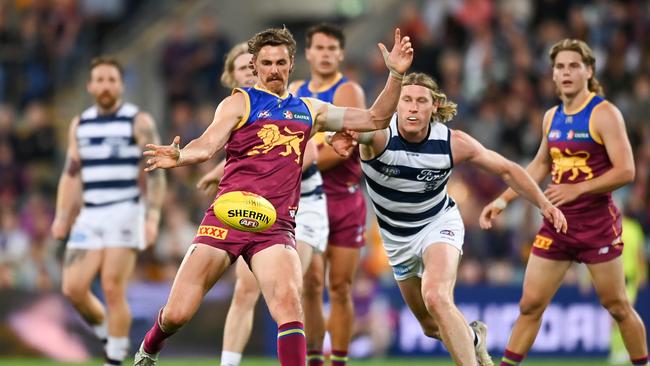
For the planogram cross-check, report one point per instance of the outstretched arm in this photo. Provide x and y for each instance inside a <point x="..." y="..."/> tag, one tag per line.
<point x="228" y="114"/>
<point x="466" y="148"/>
<point x="147" y="133"/>
<point x="68" y="197"/>
<point x="332" y="118"/>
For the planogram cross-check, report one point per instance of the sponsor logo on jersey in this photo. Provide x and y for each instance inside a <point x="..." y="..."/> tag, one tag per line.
<point x="295" y="115"/>
<point x="569" y="119"/>
<point x="390" y="171"/>
<point x="554" y="135"/>
<point x="430" y="174"/>
<point x="213" y="232"/>
<point x="264" y="114"/>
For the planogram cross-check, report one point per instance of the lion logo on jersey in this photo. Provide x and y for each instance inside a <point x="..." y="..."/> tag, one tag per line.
<point x="569" y="162"/>
<point x="272" y="137"/>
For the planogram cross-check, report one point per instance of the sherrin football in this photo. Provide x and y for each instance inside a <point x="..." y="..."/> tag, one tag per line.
<point x="244" y="211"/>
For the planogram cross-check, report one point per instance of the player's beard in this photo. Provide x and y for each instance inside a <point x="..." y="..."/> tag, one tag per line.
<point x="106" y="100"/>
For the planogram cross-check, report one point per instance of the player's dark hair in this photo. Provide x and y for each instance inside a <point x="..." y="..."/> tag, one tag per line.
<point x="272" y="37"/>
<point x="587" y="56"/>
<point x="107" y="60"/>
<point x="328" y="29"/>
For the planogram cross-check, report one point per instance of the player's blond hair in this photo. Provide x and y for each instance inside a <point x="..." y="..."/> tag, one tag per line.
<point x="587" y="55"/>
<point x="228" y="76"/>
<point x="446" y="109"/>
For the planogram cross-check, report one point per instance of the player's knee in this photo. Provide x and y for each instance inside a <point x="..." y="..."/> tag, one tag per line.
<point x="531" y="306"/>
<point x="313" y="284"/>
<point x="74" y="292"/>
<point x="114" y="291"/>
<point x="619" y="309"/>
<point x="174" y="318"/>
<point x="340" y="291"/>
<point x="245" y="296"/>
<point x="438" y="302"/>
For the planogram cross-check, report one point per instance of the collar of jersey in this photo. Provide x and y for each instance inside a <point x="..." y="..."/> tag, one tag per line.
<point x="579" y="109"/>
<point x="284" y="96"/>
<point x="326" y="86"/>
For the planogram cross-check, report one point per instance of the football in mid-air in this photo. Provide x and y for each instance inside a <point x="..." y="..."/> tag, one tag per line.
<point x="244" y="211"/>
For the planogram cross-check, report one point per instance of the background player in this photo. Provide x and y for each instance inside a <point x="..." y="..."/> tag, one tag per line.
<point x="103" y="158"/>
<point x="346" y="207"/>
<point x="243" y="120"/>
<point x="586" y="150"/>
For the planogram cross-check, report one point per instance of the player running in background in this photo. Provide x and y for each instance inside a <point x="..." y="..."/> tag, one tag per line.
<point x="346" y="207"/>
<point x="311" y="222"/>
<point x="407" y="167"/>
<point x="101" y="174"/>
<point x="264" y="130"/>
<point x="586" y="150"/>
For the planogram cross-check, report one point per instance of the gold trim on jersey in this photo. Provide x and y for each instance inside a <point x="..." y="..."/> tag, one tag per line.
<point x="550" y="122"/>
<point x="284" y="96"/>
<point x="327" y="86"/>
<point x="595" y="135"/>
<point x="582" y="106"/>
<point x="247" y="113"/>
<point x="310" y="108"/>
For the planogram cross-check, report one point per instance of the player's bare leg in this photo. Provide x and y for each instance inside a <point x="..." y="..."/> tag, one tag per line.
<point x="543" y="278"/>
<point x="277" y="269"/>
<point x="312" y="302"/>
<point x="117" y="267"/>
<point x="440" y="267"/>
<point x="411" y="289"/>
<point x="80" y="267"/>
<point x="202" y="266"/>
<point x="343" y="263"/>
<point x="305" y="252"/>
<point x="239" y="321"/>
<point x="609" y="282"/>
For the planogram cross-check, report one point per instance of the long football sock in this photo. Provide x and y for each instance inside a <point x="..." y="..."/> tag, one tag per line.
<point x="640" y="361"/>
<point x="292" y="345"/>
<point x="154" y="340"/>
<point x="116" y="350"/>
<point x="315" y="357"/>
<point x="339" y="358"/>
<point x="511" y="359"/>
<point x="230" y="358"/>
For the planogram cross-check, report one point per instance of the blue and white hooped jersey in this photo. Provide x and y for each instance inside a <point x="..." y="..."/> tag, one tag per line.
<point x="407" y="182"/>
<point x="110" y="156"/>
<point x="312" y="182"/>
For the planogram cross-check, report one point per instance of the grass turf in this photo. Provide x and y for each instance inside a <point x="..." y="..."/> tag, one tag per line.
<point x="252" y="361"/>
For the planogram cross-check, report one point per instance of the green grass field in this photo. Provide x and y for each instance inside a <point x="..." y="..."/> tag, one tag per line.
<point x="269" y="362"/>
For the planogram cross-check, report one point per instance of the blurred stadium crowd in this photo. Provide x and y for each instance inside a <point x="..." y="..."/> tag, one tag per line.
<point x="489" y="56"/>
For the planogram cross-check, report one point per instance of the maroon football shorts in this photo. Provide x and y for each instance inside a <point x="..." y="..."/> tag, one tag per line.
<point x="594" y="236"/>
<point x="237" y="243"/>
<point x="347" y="217"/>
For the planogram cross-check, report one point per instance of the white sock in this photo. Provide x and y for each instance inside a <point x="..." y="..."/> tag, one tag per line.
<point x="230" y="358"/>
<point x="117" y="348"/>
<point x="476" y="339"/>
<point x="101" y="330"/>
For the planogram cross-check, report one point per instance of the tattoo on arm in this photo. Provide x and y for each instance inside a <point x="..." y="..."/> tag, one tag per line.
<point x="72" y="166"/>
<point x="73" y="255"/>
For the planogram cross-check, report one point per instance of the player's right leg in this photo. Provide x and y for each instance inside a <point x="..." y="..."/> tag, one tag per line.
<point x="541" y="281"/>
<point x="202" y="266"/>
<point x="411" y="289"/>
<point x="239" y="321"/>
<point x="277" y="269"/>
<point x="80" y="266"/>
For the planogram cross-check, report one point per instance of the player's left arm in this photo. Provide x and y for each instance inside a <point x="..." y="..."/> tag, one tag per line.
<point x="608" y="126"/>
<point x="333" y="118"/>
<point x="466" y="148"/>
<point x="311" y="154"/>
<point x="351" y="95"/>
<point x="146" y="132"/>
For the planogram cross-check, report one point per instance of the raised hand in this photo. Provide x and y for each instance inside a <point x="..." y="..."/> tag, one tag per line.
<point x="400" y="57"/>
<point x="163" y="156"/>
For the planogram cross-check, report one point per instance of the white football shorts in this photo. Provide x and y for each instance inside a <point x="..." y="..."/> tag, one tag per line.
<point x="312" y="226"/>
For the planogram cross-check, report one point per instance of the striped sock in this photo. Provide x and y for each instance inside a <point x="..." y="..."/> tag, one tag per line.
<point x="511" y="359"/>
<point x="640" y="361"/>
<point x="315" y="357"/>
<point x="292" y="346"/>
<point x="339" y="358"/>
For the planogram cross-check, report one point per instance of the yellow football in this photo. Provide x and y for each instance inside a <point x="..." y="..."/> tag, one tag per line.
<point x="244" y="211"/>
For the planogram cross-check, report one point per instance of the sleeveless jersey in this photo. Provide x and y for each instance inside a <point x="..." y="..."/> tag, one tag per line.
<point x="578" y="154"/>
<point x="345" y="177"/>
<point x="407" y="182"/>
<point x="264" y="153"/>
<point x="109" y="155"/>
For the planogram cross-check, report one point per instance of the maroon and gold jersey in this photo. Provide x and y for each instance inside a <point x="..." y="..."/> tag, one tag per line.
<point x="578" y="153"/>
<point x="344" y="178"/>
<point x="264" y="153"/>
